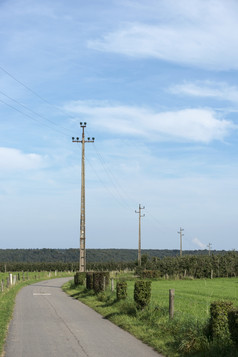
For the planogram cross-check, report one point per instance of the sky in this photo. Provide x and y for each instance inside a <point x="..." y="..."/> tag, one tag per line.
<point x="157" y="83"/>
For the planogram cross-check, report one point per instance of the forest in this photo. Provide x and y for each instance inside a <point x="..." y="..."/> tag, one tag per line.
<point x="93" y="255"/>
<point x="195" y="265"/>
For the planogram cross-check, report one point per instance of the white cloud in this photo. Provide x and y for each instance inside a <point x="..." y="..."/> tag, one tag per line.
<point x="15" y="160"/>
<point x="198" y="243"/>
<point x="209" y="89"/>
<point x="198" y="125"/>
<point x="201" y="34"/>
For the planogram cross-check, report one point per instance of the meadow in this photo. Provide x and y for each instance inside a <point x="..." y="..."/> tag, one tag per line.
<point x="180" y="336"/>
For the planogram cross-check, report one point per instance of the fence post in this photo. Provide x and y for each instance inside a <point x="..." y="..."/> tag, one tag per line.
<point x="10" y="279"/>
<point x="112" y="284"/>
<point x="171" y="303"/>
<point x="104" y="283"/>
<point x="2" y="285"/>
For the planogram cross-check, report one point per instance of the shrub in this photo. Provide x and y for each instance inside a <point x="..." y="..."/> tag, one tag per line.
<point x="79" y="278"/>
<point x="218" y="325"/>
<point x="142" y="293"/>
<point x="121" y="290"/>
<point x="150" y="274"/>
<point x="100" y="281"/>
<point x="89" y="280"/>
<point x="233" y="324"/>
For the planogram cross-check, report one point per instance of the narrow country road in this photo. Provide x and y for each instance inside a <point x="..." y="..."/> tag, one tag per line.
<point x="48" y="323"/>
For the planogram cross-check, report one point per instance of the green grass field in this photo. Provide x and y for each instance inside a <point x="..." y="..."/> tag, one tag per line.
<point x="178" y="337"/>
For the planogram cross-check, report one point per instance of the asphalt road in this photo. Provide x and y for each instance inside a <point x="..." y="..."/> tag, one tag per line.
<point x="48" y="323"/>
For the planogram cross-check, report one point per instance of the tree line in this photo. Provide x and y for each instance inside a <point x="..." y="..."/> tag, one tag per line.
<point x="200" y="266"/>
<point x="195" y="266"/>
<point x="93" y="255"/>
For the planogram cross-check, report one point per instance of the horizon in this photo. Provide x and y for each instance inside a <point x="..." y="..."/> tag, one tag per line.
<point x="157" y="85"/>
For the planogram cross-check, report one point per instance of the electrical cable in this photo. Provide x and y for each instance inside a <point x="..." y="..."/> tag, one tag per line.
<point x="29" y="116"/>
<point x="30" y="110"/>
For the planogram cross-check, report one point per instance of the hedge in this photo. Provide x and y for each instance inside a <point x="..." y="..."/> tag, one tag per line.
<point x="233" y="324"/>
<point x="121" y="290"/>
<point x="100" y="281"/>
<point x="89" y="280"/>
<point x="142" y="293"/>
<point x="218" y="324"/>
<point x="79" y="278"/>
<point x="150" y="274"/>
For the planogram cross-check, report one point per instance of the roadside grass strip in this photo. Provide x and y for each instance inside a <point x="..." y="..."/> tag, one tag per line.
<point x="184" y="335"/>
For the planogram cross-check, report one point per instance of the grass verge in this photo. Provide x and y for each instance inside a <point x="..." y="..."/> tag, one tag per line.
<point x="182" y="336"/>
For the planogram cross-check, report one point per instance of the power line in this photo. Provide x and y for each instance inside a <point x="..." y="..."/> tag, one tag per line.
<point x="103" y="184"/>
<point x="35" y="93"/>
<point x="24" y="85"/>
<point x="30" y="110"/>
<point x="29" y="116"/>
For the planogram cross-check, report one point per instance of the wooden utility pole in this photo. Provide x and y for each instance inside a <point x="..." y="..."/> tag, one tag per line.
<point x="82" y="257"/>
<point x="209" y="248"/>
<point x="139" y="240"/>
<point x="171" y="303"/>
<point x="181" y="236"/>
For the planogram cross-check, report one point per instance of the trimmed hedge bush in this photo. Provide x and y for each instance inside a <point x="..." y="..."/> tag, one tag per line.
<point x="218" y="324"/>
<point x="142" y="293"/>
<point x="150" y="274"/>
<point x="89" y="280"/>
<point x="233" y="324"/>
<point x="79" y="278"/>
<point x="121" y="290"/>
<point x="100" y="281"/>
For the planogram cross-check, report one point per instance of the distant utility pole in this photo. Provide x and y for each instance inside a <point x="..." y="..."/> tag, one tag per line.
<point x="209" y="248"/>
<point x="181" y="236"/>
<point x="139" y="243"/>
<point x="82" y="257"/>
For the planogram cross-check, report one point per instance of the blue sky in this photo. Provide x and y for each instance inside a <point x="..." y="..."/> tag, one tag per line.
<point x="156" y="82"/>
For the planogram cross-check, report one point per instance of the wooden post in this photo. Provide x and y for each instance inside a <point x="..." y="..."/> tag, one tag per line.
<point x="112" y="284"/>
<point x="10" y="279"/>
<point x="211" y="273"/>
<point x="171" y="303"/>
<point x="104" y="283"/>
<point x="2" y="285"/>
<point x="19" y="278"/>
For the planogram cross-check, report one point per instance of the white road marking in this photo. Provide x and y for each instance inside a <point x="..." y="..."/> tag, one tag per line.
<point x="41" y="294"/>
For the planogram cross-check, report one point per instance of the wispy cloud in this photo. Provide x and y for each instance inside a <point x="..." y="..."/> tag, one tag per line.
<point x="15" y="160"/>
<point x="209" y="89"/>
<point x="197" y="34"/>
<point x="195" y="125"/>
<point x="198" y="243"/>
